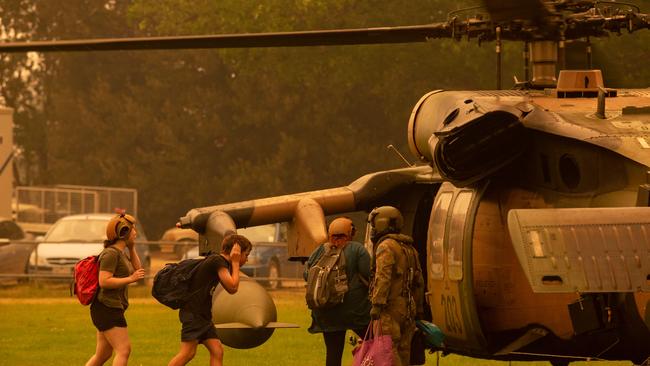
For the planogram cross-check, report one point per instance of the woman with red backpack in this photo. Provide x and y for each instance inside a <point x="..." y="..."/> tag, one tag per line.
<point x="116" y="272"/>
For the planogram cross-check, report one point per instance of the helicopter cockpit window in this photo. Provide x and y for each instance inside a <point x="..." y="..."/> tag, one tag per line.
<point x="457" y="234"/>
<point x="436" y="235"/>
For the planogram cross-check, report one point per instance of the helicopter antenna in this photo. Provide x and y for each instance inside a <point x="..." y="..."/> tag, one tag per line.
<point x="562" y="49"/>
<point x="498" y="51"/>
<point x="391" y="147"/>
<point x="589" y="64"/>
<point x="526" y="60"/>
<point x="600" y="109"/>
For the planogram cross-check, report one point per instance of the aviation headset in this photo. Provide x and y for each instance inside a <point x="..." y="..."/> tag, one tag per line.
<point x="119" y="227"/>
<point x="342" y="225"/>
<point x="385" y="219"/>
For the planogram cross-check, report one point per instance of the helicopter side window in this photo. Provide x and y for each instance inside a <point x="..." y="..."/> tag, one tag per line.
<point x="436" y="235"/>
<point x="457" y="234"/>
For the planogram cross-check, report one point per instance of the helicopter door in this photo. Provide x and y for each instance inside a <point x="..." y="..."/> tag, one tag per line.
<point x="448" y="248"/>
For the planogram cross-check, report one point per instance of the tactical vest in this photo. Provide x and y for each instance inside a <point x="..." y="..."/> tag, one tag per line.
<point x="410" y="270"/>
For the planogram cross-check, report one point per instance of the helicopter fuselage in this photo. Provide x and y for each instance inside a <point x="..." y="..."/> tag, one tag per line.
<point x="477" y="290"/>
<point x="530" y="213"/>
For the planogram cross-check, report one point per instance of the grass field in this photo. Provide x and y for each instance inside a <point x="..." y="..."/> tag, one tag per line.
<point x="43" y="325"/>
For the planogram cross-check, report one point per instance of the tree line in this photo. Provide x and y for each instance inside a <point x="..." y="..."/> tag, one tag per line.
<point x="192" y="128"/>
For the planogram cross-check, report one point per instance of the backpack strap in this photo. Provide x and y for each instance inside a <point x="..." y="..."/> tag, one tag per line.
<point x="409" y="276"/>
<point x="342" y="263"/>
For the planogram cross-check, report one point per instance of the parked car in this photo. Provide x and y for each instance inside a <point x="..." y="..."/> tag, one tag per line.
<point x="14" y="253"/>
<point x="10" y="230"/>
<point x="75" y="237"/>
<point x="185" y="238"/>
<point x="269" y="258"/>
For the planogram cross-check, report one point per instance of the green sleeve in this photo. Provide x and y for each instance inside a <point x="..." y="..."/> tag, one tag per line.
<point x="363" y="264"/>
<point x="108" y="261"/>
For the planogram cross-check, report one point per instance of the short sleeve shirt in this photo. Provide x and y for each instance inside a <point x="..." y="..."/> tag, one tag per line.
<point x="203" y="282"/>
<point x="113" y="260"/>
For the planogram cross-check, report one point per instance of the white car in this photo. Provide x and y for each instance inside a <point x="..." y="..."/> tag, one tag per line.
<point x="75" y="237"/>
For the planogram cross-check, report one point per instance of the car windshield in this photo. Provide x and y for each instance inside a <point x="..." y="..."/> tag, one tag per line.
<point x="77" y="230"/>
<point x="262" y="233"/>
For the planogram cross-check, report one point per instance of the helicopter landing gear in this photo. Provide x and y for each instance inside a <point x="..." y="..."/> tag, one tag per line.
<point x="274" y="274"/>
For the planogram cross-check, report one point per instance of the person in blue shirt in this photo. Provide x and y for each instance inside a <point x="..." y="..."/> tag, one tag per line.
<point x="354" y="312"/>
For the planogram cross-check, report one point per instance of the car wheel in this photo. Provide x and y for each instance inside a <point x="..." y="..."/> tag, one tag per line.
<point x="274" y="275"/>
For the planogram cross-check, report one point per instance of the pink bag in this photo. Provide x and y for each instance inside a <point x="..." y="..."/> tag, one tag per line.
<point x="375" y="350"/>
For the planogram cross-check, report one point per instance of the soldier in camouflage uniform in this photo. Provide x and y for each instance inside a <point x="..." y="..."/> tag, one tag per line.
<point x="397" y="289"/>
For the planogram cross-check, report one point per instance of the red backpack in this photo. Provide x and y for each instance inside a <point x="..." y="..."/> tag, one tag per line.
<point x="86" y="279"/>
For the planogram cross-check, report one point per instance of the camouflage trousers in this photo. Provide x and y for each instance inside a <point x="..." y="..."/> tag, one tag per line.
<point x="395" y="323"/>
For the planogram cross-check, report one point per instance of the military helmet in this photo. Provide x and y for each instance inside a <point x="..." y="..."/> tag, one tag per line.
<point x="341" y="225"/>
<point x="119" y="227"/>
<point x="386" y="219"/>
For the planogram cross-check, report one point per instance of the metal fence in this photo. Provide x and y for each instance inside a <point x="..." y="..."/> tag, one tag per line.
<point x="109" y="199"/>
<point x="36" y="208"/>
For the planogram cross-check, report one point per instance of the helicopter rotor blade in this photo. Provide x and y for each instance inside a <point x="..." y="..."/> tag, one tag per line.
<point x="541" y="18"/>
<point x="383" y="35"/>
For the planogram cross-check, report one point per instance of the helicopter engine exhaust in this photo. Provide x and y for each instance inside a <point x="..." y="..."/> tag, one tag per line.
<point x="464" y="136"/>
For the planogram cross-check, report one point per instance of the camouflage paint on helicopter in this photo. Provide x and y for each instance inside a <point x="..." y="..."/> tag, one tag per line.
<point x="564" y="162"/>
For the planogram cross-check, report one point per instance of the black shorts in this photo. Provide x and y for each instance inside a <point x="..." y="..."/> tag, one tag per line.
<point x="195" y="328"/>
<point x="105" y="318"/>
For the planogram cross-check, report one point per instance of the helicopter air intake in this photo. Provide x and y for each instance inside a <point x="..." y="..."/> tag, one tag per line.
<point x="466" y="137"/>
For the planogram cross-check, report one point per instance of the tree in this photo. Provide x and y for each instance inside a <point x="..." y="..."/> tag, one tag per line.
<point x="198" y="127"/>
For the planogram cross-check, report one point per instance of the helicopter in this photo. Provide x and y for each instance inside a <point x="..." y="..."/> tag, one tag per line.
<point x="529" y="207"/>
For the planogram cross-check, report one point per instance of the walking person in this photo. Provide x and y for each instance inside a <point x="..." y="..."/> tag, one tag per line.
<point x="196" y="313"/>
<point x="398" y="286"/>
<point x="116" y="272"/>
<point x="354" y="311"/>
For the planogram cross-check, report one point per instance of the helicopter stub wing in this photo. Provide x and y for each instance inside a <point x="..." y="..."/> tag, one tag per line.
<point x="237" y="325"/>
<point x="304" y="211"/>
<point x="587" y="250"/>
